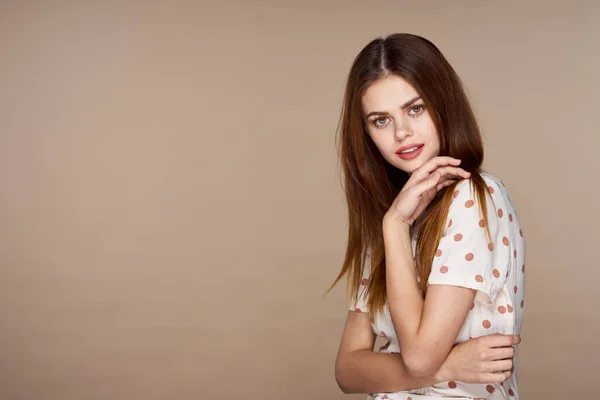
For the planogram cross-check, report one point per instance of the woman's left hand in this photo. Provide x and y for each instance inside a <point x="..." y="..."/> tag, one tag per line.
<point x="410" y="203"/>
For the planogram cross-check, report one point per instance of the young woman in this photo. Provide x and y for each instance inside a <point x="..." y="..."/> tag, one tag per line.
<point x="435" y="257"/>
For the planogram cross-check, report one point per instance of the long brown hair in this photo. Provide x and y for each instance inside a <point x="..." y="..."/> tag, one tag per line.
<point x="371" y="184"/>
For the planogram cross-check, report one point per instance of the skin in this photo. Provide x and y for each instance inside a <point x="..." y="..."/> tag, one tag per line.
<point x="396" y="116"/>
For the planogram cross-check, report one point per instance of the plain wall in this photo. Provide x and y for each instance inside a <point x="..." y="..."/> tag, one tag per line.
<point x="171" y="209"/>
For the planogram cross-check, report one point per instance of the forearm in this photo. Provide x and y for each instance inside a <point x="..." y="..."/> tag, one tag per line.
<point x="366" y="371"/>
<point x="406" y="303"/>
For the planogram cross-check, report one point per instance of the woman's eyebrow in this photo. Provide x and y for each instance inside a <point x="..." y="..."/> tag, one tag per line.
<point x="410" y="102"/>
<point x="402" y="107"/>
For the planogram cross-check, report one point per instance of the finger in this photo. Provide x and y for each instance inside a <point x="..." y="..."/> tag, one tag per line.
<point x="498" y="340"/>
<point x="429" y="183"/>
<point x="495" y="378"/>
<point x="454" y="171"/>
<point x="429" y="167"/>
<point x="445" y="183"/>
<point x="439" y="161"/>
<point x="498" y="366"/>
<point x="501" y="353"/>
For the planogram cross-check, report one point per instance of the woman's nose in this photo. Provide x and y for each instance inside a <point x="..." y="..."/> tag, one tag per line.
<point x="402" y="132"/>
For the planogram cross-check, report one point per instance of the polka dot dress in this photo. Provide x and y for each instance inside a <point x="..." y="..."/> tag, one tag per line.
<point x="466" y="257"/>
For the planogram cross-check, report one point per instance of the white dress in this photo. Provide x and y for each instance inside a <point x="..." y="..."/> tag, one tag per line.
<point x="466" y="258"/>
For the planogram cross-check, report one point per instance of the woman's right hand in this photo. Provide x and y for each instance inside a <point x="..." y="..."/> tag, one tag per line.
<point x="486" y="359"/>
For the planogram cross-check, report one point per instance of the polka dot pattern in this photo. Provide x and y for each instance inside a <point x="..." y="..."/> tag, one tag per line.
<point x="452" y="385"/>
<point x="444" y="269"/>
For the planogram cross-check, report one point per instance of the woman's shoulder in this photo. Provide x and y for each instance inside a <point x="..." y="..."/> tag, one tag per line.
<point x="466" y="188"/>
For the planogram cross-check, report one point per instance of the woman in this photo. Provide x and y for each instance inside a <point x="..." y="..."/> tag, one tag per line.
<point x="435" y="252"/>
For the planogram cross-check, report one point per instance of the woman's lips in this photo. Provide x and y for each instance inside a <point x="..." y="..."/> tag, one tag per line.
<point x="411" y="155"/>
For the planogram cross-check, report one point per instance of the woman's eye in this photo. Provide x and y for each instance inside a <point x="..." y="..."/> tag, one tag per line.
<point x="380" y="122"/>
<point x="416" y="110"/>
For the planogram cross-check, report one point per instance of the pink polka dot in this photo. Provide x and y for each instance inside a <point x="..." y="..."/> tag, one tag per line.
<point x="496" y="273"/>
<point x="522" y="303"/>
<point x="458" y="237"/>
<point x="490" y="388"/>
<point x="469" y="203"/>
<point x="510" y="217"/>
<point x="450" y="223"/>
<point x="523" y="268"/>
<point x="515" y="252"/>
<point x="444" y="269"/>
<point x="452" y="385"/>
<point x="521" y="232"/>
<point x="491" y="246"/>
<point x="482" y="223"/>
<point x="479" y="278"/>
<point x="358" y="310"/>
<point x="500" y="213"/>
<point x="491" y="190"/>
<point x="505" y="241"/>
<point x="438" y="252"/>
<point x="510" y="309"/>
<point x="383" y="334"/>
<point x="364" y="281"/>
<point x="510" y="392"/>
<point x="486" y="324"/>
<point x="516" y="289"/>
<point x="469" y="257"/>
<point x="501" y="309"/>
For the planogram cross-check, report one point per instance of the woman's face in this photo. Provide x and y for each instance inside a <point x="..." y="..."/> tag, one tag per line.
<point x="399" y="124"/>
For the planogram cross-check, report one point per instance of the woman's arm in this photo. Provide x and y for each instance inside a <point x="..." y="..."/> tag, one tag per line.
<point x="358" y="369"/>
<point x="427" y="329"/>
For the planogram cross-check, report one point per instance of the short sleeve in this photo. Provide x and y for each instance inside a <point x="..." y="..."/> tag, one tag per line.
<point x="465" y="256"/>
<point x="361" y="303"/>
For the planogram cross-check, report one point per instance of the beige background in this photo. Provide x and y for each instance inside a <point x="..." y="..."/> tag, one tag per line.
<point x="171" y="210"/>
